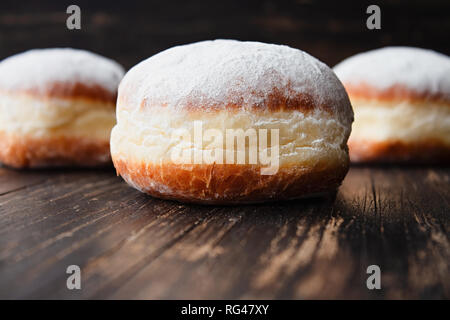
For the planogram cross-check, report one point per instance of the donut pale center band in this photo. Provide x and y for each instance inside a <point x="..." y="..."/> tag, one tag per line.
<point x="269" y="140"/>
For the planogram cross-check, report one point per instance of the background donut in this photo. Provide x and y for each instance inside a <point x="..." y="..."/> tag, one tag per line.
<point x="57" y="108"/>
<point x="401" y="99"/>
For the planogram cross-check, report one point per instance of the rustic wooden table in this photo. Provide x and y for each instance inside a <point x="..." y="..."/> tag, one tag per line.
<point x="129" y="245"/>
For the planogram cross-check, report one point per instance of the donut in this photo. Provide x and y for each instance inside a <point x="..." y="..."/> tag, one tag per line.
<point x="57" y="108"/>
<point x="401" y="100"/>
<point x="230" y="122"/>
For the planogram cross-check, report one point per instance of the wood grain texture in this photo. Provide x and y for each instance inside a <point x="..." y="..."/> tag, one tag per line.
<point x="130" y="245"/>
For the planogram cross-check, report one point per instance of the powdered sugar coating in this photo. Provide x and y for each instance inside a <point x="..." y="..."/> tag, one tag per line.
<point x="35" y="69"/>
<point x="223" y="72"/>
<point x="420" y="70"/>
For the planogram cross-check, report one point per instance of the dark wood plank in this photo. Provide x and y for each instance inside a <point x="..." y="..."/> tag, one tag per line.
<point x="11" y="180"/>
<point x="129" y="245"/>
<point x="131" y="32"/>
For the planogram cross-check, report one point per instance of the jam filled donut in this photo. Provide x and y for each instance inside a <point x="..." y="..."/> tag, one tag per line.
<point x="401" y="100"/>
<point x="57" y="108"/>
<point x="224" y="122"/>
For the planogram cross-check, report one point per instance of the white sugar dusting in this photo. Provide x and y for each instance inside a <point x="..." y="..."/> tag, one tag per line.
<point x="216" y="73"/>
<point x="35" y="69"/>
<point x="417" y="69"/>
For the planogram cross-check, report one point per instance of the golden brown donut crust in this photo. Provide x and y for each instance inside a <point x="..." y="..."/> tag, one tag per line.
<point x="31" y="152"/>
<point x="394" y="93"/>
<point x="228" y="183"/>
<point x="70" y="90"/>
<point x="428" y="151"/>
<point x="285" y="99"/>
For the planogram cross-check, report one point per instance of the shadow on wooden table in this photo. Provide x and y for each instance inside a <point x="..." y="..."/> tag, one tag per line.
<point x="129" y="245"/>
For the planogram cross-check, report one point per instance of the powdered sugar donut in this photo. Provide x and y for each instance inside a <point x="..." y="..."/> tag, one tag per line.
<point x="401" y="99"/>
<point x="57" y="107"/>
<point x="249" y="91"/>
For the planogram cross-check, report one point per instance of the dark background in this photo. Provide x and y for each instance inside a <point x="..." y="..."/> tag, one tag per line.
<point x="130" y="31"/>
